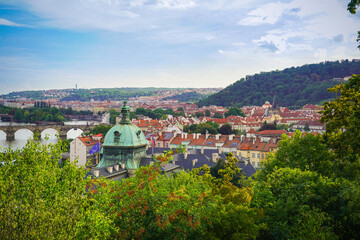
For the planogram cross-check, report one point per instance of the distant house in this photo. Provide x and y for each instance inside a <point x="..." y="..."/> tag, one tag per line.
<point x="80" y="147"/>
<point x="314" y="126"/>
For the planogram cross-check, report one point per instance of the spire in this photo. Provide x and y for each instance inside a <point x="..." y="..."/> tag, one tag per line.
<point x="125" y="114"/>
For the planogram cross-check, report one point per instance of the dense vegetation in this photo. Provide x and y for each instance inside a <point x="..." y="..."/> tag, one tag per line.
<point x="186" y="97"/>
<point x="35" y="95"/>
<point x="35" y="114"/>
<point x="308" y="189"/>
<point x="292" y="87"/>
<point x="103" y="94"/>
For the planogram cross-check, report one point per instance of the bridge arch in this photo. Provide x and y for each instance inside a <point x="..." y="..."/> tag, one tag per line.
<point x="2" y="135"/>
<point x="23" y="134"/>
<point x="73" y="133"/>
<point x="52" y="133"/>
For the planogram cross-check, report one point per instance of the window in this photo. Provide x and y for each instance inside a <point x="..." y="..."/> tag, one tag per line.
<point x="253" y="163"/>
<point x="116" y="136"/>
<point x="258" y="164"/>
<point x="262" y="155"/>
<point x="258" y="155"/>
<point x="253" y="155"/>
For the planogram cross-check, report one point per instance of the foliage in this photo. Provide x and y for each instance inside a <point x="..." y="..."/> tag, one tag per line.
<point x="292" y="199"/>
<point x="226" y="129"/>
<point x="100" y="129"/>
<point x="218" y="115"/>
<point x="352" y="8"/>
<point x="293" y="87"/>
<point x="342" y="117"/>
<point x="41" y="200"/>
<point x="306" y="152"/>
<point x="267" y="126"/>
<point x="207" y="113"/>
<point x="41" y="113"/>
<point x="221" y="167"/>
<point x="199" y="114"/>
<point x="234" y="111"/>
<point x="154" y="114"/>
<point x="103" y="94"/>
<point x="310" y="187"/>
<point x="181" y="206"/>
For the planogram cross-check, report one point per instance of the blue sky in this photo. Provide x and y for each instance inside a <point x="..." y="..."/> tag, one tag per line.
<point x="47" y="44"/>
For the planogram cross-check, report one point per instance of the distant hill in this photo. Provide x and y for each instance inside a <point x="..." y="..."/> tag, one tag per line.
<point x="292" y="87"/>
<point x="186" y="97"/>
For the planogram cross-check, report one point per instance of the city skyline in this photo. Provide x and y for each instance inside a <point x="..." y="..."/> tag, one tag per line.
<point x="165" y="43"/>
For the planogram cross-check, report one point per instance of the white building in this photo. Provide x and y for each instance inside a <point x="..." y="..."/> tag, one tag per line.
<point x="80" y="147"/>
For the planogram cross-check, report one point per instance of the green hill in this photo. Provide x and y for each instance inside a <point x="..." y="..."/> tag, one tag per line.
<point x="292" y="87"/>
<point x="186" y="97"/>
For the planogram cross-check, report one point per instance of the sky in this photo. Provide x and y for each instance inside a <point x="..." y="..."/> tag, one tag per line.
<point x="55" y="44"/>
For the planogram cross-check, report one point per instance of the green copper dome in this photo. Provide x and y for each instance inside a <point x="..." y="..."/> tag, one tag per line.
<point x="124" y="135"/>
<point x="124" y="143"/>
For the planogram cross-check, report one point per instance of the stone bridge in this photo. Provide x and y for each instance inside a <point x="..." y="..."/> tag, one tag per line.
<point x="60" y="128"/>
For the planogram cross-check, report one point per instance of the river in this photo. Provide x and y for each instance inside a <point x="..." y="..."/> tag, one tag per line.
<point x="22" y="135"/>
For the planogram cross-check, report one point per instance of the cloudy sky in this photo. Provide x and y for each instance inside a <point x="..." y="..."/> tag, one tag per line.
<point x="47" y="44"/>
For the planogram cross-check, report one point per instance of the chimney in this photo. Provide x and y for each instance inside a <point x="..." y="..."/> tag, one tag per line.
<point x="231" y="137"/>
<point x="207" y="135"/>
<point x="182" y="135"/>
<point x="220" y="150"/>
<point x="274" y="140"/>
<point x="123" y="165"/>
<point x="198" y="135"/>
<point x="202" y="150"/>
<point x="254" y="139"/>
<point x="194" y="135"/>
<point x="147" y="147"/>
<point x="185" y="155"/>
<point x="214" y="157"/>
<point x="96" y="173"/>
<point x="185" y="135"/>
<point x="109" y="169"/>
<point x="242" y="137"/>
<point x="217" y="136"/>
<point x="116" y="167"/>
<point x="173" y="161"/>
<point x="194" y="161"/>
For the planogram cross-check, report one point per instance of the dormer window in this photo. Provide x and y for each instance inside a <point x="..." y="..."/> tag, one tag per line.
<point x="116" y="136"/>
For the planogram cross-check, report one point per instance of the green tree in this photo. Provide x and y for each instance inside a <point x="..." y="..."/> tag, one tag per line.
<point x="207" y="113"/>
<point x="41" y="199"/>
<point x="199" y="114"/>
<point x="307" y="128"/>
<point x="352" y="8"/>
<point x="100" y="129"/>
<point x="205" y="127"/>
<point x="342" y="118"/>
<point x="218" y="115"/>
<point x="235" y="111"/>
<point x="226" y="129"/>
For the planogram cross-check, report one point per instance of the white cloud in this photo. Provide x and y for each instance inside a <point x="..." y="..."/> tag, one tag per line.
<point x="175" y="4"/>
<point x="267" y="14"/>
<point x="8" y="23"/>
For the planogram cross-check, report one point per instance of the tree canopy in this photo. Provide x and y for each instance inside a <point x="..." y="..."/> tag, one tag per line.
<point x="293" y="87"/>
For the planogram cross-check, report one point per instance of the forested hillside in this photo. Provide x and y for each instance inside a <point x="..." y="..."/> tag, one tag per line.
<point x="292" y="87"/>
